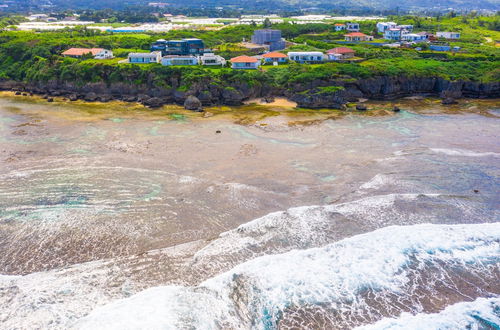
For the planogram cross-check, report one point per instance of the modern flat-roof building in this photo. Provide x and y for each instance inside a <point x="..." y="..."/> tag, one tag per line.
<point x="188" y="46"/>
<point x="179" y="60"/>
<point x="144" y="58"/>
<point x="269" y="37"/>
<point x="306" y="57"/>
<point x="212" y="59"/>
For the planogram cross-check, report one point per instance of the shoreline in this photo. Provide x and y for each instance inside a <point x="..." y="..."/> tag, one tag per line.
<point x="317" y="94"/>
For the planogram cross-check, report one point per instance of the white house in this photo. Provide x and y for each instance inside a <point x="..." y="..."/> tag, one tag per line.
<point x="408" y="28"/>
<point x="413" y="37"/>
<point x="140" y="58"/>
<point x="212" y="59"/>
<point x="352" y="27"/>
<point x="244" y="62"/>
<point x="306" y="57"/>
<point x="339" y="27"/>
<point x="179" y="60"/>
<point x="448" y="35"/>
<point x="396" y="34"/>
<point x="383" y="26"/>
<point x="97" y="53"/>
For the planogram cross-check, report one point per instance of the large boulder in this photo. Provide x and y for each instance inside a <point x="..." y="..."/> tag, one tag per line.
<point x="90" y="97"/>
<point x="448" y="101"/>
<point x="153" y="102"/>
<point x="192" y="103"/>
<point x="232" y="96"/>
<point x="205" y="97"/>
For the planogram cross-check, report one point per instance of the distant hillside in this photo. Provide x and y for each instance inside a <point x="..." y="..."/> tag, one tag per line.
<point x="249" y="5"/>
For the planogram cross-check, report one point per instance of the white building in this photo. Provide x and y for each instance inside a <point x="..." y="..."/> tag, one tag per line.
<point x="140" y="58"/>
<point x="414" y="37"/>
<point x="383" y="26"/>
<point x="212" y="59"/>
<point x="339" y="27"/>
<point x="306" y="57"/>
<point x="448" y="35"/>
<point x="395" y="34"/>
<point x="352" y="27"/>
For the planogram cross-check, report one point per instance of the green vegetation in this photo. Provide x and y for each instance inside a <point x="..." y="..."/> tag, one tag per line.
<point x="35" y="57"/>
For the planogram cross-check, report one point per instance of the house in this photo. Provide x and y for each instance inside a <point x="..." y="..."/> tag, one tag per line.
<point x="306" y="57"/>
<point x="357" y="36"/>
<point x="383" y="26"/>
<point x="179" y="60"/>
<point x="187" y="46"/>
<point x="275" y="57"/>
<point x="448" y="35"/>
<point x="352" y="27"/>
<point x="97" y="53"/>
<point x="340" y="53"/>
<point x="244" y="62"/>
<point x="414" y="37"/>
<point x="140" y="58"/>
<point x="212" y="59"/>
<point x="408" y="28"/>
<point x="269" y="37"/>
<point x="339" y="27"/>
<point x="395" y="34"/>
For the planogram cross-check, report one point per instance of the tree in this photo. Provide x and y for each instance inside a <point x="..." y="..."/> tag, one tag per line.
<point x="267" y="23"/>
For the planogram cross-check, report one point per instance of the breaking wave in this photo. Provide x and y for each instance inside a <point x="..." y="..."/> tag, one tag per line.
<point x="483" y="313"/>
<point x="355" y="281"/>
<point x="464" y="153"/>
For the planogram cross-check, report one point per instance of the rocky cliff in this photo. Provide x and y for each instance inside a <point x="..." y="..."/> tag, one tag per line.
<point x="315" y="94"/>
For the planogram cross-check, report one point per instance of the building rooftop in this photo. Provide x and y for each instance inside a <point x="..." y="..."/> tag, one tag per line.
<point x="340" y="50"/>
<point x="244" y="59"/>
<point x="355" y="34"/>
<point x="274" y="55"/>
<point x="82" y="51"/>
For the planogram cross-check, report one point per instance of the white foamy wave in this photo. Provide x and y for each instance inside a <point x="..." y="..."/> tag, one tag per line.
<point x="308" y="226"/>
<point x="378" y="181"/>
<point x="482" y="313"/>
<point x="255" y="294"/>
<point x="464" y="153"/>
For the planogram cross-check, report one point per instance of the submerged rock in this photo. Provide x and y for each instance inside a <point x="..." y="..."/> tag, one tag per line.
<point x="361" y="107"/>
<point x="50" y="99"/>
<point x="396" y="109"/>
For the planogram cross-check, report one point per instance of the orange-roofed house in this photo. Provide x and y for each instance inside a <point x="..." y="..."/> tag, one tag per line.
<point x="97" y="53"/>
<point x="245" y="62"/>
<point x="339" y="27"/>
<point x="275" y="57"/>
<point x="340" y="53"/>
<point x="357" y="36"/>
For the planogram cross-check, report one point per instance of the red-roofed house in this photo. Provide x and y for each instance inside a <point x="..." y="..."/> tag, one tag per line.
<point x="339" y="27"/>
<point x="97" y="53"/>
<point x="244" y="62"/>
<point x="275" y="57"/>
<point x="357" y="36"/>
<point x="340" y="53"/>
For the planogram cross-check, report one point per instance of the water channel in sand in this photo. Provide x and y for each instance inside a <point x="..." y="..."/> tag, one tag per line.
<point x="85" y="182"/>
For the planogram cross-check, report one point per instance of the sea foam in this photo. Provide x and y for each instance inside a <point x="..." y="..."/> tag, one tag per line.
<point x="258" y="293"/>
<point x="483" y="313"/>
